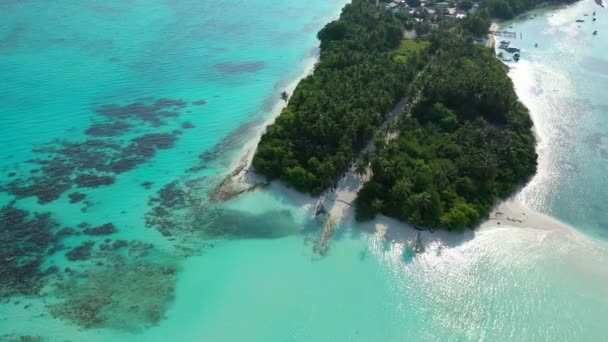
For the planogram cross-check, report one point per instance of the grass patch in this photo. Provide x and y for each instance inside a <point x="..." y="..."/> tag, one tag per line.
<point x="409" y="47"/>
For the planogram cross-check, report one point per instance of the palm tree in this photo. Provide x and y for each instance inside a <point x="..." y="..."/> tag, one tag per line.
<point x="284" y="96"/>
<point x="425" y="204"/>
<point x="362" y="164"/>
<point x="361" y="167"/>
<point x="425" y="201"/>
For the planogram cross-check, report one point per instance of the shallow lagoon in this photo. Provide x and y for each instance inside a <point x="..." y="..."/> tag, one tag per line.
<point x="245" y="269"/>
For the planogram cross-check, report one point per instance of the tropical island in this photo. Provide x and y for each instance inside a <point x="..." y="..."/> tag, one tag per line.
<point x="462" y="142"/>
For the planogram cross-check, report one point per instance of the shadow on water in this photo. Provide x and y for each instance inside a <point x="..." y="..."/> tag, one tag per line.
<point x="233" y="224"/>
<point x="181" y="211"/>
<point x="363" y="254"/>
<point x="386" y="233"/>
<point x="408" y="255"/>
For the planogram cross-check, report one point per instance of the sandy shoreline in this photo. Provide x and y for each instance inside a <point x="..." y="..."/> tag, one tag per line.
<point x="491" y="41"/>
<point x="508" y="214"/>
<point x="309" y="66"/>
<point x="242" y="178"/>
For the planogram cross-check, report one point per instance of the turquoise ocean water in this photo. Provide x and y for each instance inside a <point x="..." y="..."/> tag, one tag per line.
<point x="563" y="82"/>
<point x="119" y="118"/>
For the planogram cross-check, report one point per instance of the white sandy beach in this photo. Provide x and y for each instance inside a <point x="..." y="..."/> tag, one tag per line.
<point x="491" y="40"/>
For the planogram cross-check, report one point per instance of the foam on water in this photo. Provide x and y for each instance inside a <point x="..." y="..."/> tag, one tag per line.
<point x="246" y="269"/>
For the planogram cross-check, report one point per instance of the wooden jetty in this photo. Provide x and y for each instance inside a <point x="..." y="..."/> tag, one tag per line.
<point x="506" y="34"/>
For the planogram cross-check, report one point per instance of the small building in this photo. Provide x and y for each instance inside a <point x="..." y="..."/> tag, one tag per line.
<point x="442" y="5"/>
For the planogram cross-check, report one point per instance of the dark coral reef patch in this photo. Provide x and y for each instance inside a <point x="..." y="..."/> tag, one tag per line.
<point x="153" y="114"/>
<point x="25" y="239"/>
<point x="111" y="129"/>
<point x="97" y="161"/>
<point x="240" y="67"/>
<point x="22" y="338"/>
<point x="167" y="205"/>
<point x="93" y="181"/>
<point x="89" y="292"/>
<point x="96" y="297"/>
<point x="232" y="141"/>
<point x="76" y="197"/>
<point x="81" y="252"/>
<point x="187" y="125"/>
<point x="104" y="229"/>
<point x="147" y="185"/>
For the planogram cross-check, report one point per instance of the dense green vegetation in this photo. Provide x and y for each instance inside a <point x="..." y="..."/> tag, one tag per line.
<point x="476" y="24"/>
<point x="465" y="5"/>
<point x="334" y="112"/>
<point x="466" y="143"/>
<point x="507" y="9"/>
